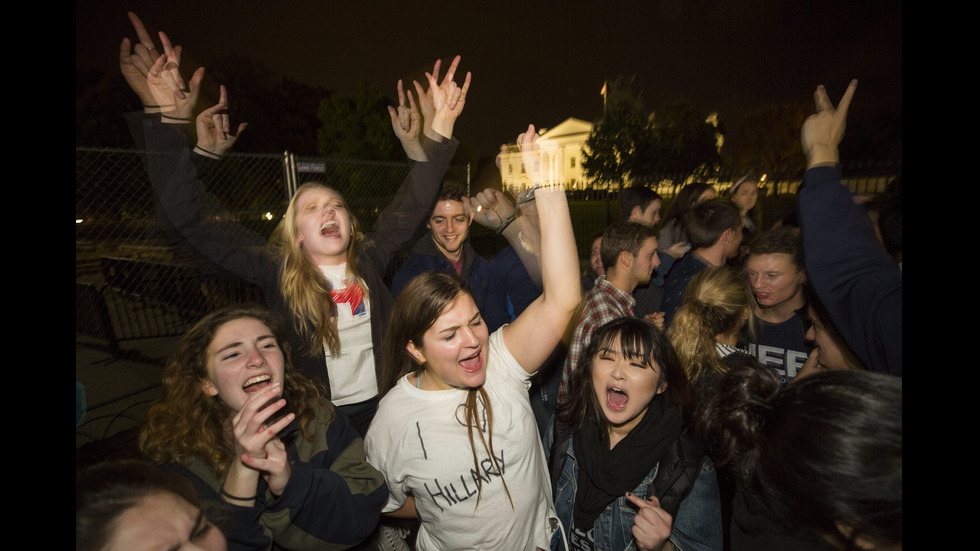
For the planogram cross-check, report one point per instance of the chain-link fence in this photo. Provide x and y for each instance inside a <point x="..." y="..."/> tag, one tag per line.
<point x="132" y="281"/>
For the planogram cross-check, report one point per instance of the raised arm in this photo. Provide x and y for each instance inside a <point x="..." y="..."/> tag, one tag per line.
<point x="518" y="224"/>
<point x="214" y="135"/>
<point x="858" y="282"/>
<point x="399" y="223"/>
<point x="533" y="335"/>
<point x="443" y="102"/>
<point x="135" y="60"/>
<point x="182" y="200"/>
<point x="407" y="124"/>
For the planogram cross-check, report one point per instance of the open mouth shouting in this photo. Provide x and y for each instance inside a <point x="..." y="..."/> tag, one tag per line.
<point x="330" y="229"/>
<point x="472" y="364"/>
<point x="616" y="399"/>
<point x="257" y="383"/>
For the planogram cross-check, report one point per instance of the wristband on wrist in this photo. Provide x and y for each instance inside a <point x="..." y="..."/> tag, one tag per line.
<point x="174" y="120"/>
<point x="210" y="154"/>
<point x="237" y="498"/>
<point x="506" y="222"/>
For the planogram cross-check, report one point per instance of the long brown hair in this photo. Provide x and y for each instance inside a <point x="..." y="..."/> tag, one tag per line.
<point x="416" y="309"/>
<point x="303" y="286"/>
<point x="185" y="423"/>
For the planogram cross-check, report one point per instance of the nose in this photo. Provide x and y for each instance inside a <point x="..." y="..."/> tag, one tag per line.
<point x="811" y="334"/>
<point x="755" y="281"/>
<point x="255" y="358"/>
<point x="469" y="338"/>
<point x="617" y="372"/>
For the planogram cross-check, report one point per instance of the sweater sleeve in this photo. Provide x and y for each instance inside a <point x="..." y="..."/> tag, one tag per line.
<point x="399" y="223"/>
<point x="187" y="207"/>
<point x="858" y="283"/>
<point x="335" y="498"/>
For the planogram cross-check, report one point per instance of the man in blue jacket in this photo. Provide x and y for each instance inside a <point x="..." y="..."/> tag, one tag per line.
<point x="445" y="249"/>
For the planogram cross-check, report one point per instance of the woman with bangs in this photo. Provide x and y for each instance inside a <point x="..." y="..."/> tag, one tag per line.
<point x="625" y="466"/>
<point x="319" y="272"/>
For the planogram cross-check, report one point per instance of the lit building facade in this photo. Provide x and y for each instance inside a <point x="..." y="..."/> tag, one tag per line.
<point x="569" y="137"/>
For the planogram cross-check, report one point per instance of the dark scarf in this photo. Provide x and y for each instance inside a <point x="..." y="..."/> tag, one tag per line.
<point x="604" y="474"/>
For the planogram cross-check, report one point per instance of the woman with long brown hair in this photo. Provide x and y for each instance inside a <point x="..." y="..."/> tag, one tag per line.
<point x="238" y="421"/>
<point x="455" y="435"/>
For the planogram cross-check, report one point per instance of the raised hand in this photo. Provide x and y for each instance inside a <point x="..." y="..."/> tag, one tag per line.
<point x="406" y="122"/>
<point x="168" y="88"/>
<point x="135" y="62"/>
<point x="651" y="525"/>
<point x="489" y="208"/>
<point x="447" y="100"/>
<point x="542" y="158"/>
<point x="823" y="131"/>
<point x="426" y="108"/>
<point x="214" y="136"/>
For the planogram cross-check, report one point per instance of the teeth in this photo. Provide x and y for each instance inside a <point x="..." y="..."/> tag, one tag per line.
<point x="256" y="379"/>
<point x="330" y="224"/>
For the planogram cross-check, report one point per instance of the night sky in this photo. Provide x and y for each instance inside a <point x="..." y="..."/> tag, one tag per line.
<point x="539" y="62"/>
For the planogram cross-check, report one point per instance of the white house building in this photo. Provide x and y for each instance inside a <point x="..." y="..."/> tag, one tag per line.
<point x="570" y="138"/>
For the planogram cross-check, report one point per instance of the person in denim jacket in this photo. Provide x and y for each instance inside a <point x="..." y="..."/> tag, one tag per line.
<point x="627" y="472"/>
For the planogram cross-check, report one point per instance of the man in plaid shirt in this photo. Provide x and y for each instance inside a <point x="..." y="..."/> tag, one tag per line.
<point x="629" y="255"/>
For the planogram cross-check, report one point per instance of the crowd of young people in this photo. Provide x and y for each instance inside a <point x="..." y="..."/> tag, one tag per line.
<point x="333" y="411"/>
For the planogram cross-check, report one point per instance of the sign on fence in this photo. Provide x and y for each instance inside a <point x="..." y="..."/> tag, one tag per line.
<point x="320" y="168"/>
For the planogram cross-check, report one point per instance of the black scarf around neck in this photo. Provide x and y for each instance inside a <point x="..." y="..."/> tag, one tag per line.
<point x="604" y="474"/>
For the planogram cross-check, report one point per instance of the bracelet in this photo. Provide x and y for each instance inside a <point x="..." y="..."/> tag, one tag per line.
<point x="222" y="491"/>
<point x="204" y="152"/>
<point x="178" y="119"/>
<point x="503" y="225"/>
<point x="527" y="197"/>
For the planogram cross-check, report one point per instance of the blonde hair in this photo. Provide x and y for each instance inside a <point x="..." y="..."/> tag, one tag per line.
<point x="304" y="288"/>
<point x="716" y="302"/>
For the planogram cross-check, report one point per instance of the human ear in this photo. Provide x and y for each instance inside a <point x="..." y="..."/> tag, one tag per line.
<point x="208" y="388"/>
<point x="626" y="258"/>
<point x="662" y="387"/>
<point x="415" y="352"/>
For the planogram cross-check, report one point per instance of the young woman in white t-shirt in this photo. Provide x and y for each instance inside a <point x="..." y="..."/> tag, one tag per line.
<point x="455" y="435"/>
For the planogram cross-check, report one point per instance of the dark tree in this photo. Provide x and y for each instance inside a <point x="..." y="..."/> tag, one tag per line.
<point x="610" y="152"/>
<point x="357" y="127"/>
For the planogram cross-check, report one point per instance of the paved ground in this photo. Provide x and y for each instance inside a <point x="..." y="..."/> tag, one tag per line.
<point x="118" y="392"/>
